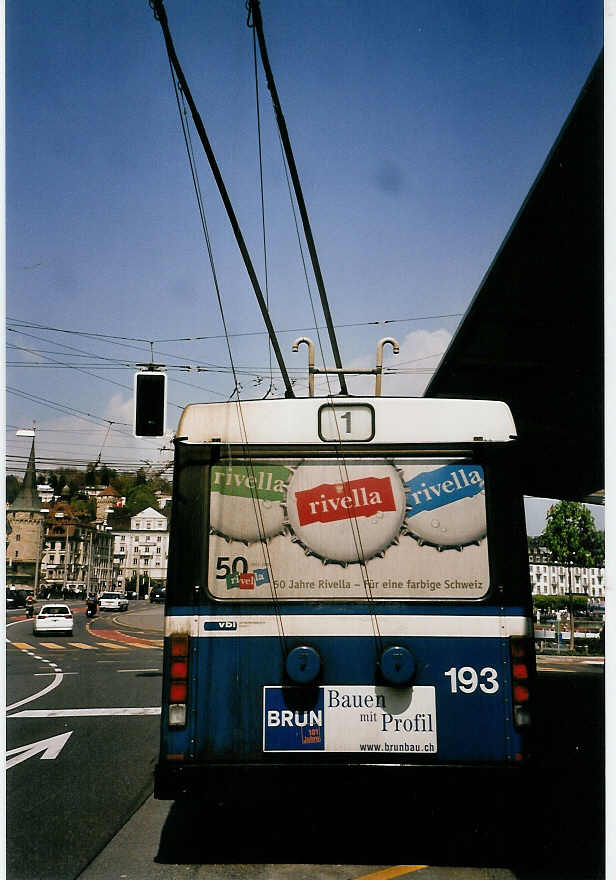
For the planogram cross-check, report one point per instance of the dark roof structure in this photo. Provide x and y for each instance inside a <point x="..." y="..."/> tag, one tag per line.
<point x="28" y="499"/>
<point x="533" y="335"/>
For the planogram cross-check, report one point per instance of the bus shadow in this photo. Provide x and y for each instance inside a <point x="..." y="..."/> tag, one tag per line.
<point x="551" y="827"/>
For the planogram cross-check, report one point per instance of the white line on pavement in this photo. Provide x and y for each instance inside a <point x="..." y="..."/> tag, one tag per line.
<point x="85" y="713"/>
<point x="50" y="687"/>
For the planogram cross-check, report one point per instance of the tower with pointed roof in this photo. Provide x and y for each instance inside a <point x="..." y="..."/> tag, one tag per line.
<point x="24" y="523"/>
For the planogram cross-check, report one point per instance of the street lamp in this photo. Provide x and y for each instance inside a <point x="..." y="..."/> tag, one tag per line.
<point x="571" y="522"/>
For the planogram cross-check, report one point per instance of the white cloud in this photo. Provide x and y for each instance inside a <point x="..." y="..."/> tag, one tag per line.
<point x="70" y="441"/>
<point x="420" y="352"/>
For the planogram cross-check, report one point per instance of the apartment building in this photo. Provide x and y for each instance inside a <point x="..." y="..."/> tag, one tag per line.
<point x="140" y="553"/>
<point x="549" y="579"/>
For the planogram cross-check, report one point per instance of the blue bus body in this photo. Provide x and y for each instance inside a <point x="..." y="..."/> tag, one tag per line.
<point x="264" y="685"/>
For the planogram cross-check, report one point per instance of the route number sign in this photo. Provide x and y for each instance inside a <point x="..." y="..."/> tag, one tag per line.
<point x="349" y="422"/>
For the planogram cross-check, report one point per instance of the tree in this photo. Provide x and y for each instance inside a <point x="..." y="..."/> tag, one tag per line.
<point x="12" y="488"/>
<point x="56" y="481"/>
<point x="138" y="498"/>
<point x="106" y="475"/>
<point x="572" y="539"/>
<point x="85" y="507"/>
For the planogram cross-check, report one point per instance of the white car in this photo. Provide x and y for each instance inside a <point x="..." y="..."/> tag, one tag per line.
<point x="113" y="602"/>
<point x="55" y="618"/>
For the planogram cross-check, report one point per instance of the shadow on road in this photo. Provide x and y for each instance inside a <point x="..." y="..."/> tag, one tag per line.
<point x="551" y="827"/>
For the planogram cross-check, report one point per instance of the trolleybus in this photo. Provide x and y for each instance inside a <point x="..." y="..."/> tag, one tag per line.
<point x="348" y="594"/>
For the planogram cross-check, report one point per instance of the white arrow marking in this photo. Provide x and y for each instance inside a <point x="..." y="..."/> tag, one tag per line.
<point x="50" y="748"/>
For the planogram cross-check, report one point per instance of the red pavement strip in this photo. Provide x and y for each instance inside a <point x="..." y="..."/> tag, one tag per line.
<point x="113" y="635"/>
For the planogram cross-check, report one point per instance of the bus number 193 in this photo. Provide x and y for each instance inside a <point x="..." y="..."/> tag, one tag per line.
<point x="466" y="679"/>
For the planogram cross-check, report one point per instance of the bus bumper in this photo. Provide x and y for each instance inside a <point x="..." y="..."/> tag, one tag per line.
<point x="230" y="783"/>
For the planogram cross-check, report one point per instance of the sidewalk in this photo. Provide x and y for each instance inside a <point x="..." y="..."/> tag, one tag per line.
<point x="131" y="853"/>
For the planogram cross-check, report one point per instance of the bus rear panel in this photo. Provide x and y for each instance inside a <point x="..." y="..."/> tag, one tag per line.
<point x="348" y="594"/>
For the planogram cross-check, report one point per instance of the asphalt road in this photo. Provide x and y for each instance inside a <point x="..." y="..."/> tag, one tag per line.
<point x="78" y="764"/>
<point x="88" y="812"/>
<point x="551" y="829"/>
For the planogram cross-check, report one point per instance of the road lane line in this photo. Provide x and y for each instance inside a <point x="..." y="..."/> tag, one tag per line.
<point x="54" y="684"/>
<point x="395" y="871"/>
<point x="111" y="645"/>
<point x="86" y="713"/>
<point x="22" y="646"/>
<point x="151" y="669"/>
<point x="83" y="646"/>
<point x="52" y="645"/>
<point x="51" y="673"/>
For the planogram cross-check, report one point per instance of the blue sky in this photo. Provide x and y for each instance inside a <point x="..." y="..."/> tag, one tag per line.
<point x="417" y="129"/>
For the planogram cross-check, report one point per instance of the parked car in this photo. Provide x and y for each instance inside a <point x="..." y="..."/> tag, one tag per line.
<point x="53" y="618"/>
<point x="113" y="602"/>
<point x="158" y="594"/>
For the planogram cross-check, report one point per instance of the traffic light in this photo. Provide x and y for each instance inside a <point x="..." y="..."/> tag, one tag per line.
<point x="150" y="403"/>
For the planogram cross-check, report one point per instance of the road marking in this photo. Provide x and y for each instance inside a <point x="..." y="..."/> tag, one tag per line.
<point x="123" y="638"/>
<point x="111" y="645"/>
<point x="395" y="871"/>
<point x="54" y="684"/>
<point x="22" y="646"/>
<point x="85" y="713"/>
<point x="50" y="748"/>
<point x="83" y="646"/>
<point x="52" y="645"/>
<point x="151" y="669"/>
<point x="52" y="673"/>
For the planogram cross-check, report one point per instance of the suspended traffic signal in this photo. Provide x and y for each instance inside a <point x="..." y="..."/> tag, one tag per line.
<point x="150" y="403"/>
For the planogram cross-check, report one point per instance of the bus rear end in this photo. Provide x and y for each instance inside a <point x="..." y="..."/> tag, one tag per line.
<point x="348" y="596"/>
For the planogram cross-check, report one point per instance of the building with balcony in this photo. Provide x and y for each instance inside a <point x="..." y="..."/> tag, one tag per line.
<point x="553" y="580"/>
<point x="75" y="553"/>
<point x="140" y="553"/>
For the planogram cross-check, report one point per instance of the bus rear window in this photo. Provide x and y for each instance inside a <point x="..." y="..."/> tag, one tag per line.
<point x="325" y="529"/>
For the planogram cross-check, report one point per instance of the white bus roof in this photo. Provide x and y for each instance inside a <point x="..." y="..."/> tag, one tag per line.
<point x="395" y="420"/>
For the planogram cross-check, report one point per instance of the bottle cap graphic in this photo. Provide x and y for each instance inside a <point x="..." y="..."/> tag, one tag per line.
<point x="246" y="500"/>
<point x="445" y="507"/>
<point x="345" y="513"/>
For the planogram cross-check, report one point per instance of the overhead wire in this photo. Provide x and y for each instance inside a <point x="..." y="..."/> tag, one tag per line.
<point x="161" y="16"/>
<point x="342" y="464"/>
<point x="262" y="193"/>
<point x="256" y="22"/>
<point x="181" y="90"/>
<point x="203" y="338"/>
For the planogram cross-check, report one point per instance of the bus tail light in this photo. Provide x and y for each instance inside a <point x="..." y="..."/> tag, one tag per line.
<point x="178" y="684"/>
<point x="521" y="659"/>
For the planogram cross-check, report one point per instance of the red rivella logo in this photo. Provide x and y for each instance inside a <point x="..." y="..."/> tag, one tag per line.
<point x="331" y="502"/>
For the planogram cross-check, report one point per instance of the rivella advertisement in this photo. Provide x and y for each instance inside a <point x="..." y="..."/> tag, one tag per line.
<point x="321" y="529"/>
